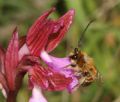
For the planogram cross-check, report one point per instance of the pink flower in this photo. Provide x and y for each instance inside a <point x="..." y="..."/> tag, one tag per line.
<point x="10" y="66"/>
<point x="61" y="65"/>
<point x="13" y="67"/>
<point x="44" y="35"/>
<point x="20" y="57"/>
<point x="9" y="62"/>
<point x="25" y="55"/>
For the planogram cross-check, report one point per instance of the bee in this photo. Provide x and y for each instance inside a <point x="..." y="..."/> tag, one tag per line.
<point x="83" y="65"/>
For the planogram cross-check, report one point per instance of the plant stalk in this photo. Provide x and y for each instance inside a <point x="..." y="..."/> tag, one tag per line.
<point x="11" y="96"/>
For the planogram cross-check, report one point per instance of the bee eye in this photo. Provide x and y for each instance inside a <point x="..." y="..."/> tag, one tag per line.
<point x="86" y="74"/>
<point x="74" y="57"/>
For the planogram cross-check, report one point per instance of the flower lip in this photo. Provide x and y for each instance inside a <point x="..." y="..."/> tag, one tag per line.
<point x="60" y="63"/>
<point x="63" y="66"/>
<point x="48" y="79"/>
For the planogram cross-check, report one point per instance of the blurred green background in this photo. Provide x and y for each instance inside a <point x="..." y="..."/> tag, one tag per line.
<point x="102" y="42"/>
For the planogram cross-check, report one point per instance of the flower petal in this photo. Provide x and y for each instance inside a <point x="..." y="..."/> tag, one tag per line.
<point x="23" y="51"/>
<point x="57" y="64"/>
<point x="58" y="81"/>
<point x="3" y="83"/>
<point x="23" y="48"/>
<point x="54" y="62"/>
<point x="48" y="79"/>
<point x="60" y="29"/>
<point x="73" y="85"/>
<point x="61" y="65"/>
<point x="11" y="59"/>
<point x="38" y="34"/>
<point x="37" y="75"/>
<point x="2" y="57"/>
<point x="37" y="95"/>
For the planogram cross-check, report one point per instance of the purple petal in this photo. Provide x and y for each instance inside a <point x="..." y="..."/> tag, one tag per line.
<point x="61" y="65"/>
<point x="55" y="63"/>
<point x="73" y="86"/>
<point x="37" y="95"/>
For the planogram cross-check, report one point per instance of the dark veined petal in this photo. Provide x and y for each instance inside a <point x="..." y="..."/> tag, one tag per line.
<point x="57" y="81"/>
<point x="60" y="28"/>
<point x="26" y="63"/>
<point x="38" y="33"/>
<point x="37" y="75"/>
<point x="11" y="59"/>
<point x="48" y="79"/>
<point x="2" y="56"/>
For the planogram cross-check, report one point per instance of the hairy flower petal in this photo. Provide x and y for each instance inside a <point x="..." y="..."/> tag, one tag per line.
<point x="11" y="60"/>
<point x="37" y="95"/>
<point x="60" y="28"/>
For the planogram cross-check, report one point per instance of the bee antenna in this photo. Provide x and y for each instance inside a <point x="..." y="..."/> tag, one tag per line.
<point x="83" y="33"/>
